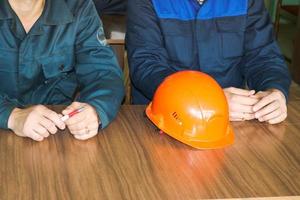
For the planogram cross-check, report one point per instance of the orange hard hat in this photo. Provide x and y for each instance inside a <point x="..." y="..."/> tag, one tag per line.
<point x="191" y="107"/>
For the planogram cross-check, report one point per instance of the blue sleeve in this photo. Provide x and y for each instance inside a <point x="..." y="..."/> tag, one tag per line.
<point x="148" y="59"/>
<point x="99" y="76"/>
<point x="6" y="107"/>
<point x="263" y="64"/>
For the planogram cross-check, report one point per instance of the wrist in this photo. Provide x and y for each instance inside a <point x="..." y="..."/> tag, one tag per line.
<point x="11" y="120"/>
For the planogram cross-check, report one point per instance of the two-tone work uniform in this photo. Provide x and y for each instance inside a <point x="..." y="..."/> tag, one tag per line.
<point x="231" y="40"/>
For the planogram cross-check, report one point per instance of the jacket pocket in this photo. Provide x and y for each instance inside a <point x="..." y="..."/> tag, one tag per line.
<point x="179" y="42"/>
<point x="232" y="30"/>
<point x="56" y="66"/>
<point x="59" y="77"/>
<point x="8" y="71"/>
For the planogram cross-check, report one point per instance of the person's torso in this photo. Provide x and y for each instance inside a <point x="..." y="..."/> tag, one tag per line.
<point x="208" y="37"/>
<point x="37" y="67"/>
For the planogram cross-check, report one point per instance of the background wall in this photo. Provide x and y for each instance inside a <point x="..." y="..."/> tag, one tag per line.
<point x="271" y="5"/>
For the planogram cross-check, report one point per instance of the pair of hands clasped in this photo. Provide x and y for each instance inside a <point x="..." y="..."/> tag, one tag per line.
<point x="267" y="106"/>
<point x="38" y="122"/>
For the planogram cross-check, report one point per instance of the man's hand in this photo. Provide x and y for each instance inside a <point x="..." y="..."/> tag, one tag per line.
<point x="272" y="107"/>
<point x="36" y="122"/>
<point x="85" y="124"/>
<point x="240" y="103"/>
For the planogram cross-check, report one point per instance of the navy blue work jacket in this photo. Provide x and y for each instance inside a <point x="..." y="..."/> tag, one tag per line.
<point x="231" y="40"/>
<point x="111" y="6"/>
<point x="65" y="52"/>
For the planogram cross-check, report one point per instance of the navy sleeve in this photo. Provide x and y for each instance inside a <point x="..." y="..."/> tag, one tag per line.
<point x="99" y="76"/>
<point x="111" y="6"/>
<point x="264" y="66"/>
<point x="148" y="59"/>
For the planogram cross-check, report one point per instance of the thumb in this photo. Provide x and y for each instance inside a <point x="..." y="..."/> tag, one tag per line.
<point x="69" y="109"/>
<point x="241" y="92"/>
<point x="260" y="95"/>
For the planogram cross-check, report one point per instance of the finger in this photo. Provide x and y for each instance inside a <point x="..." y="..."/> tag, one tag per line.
<point x="279" y="119"/>
<point x="80" y="132"/>
<point x="242" y="92"/>
<point x="267" y="109"/>
<point x="84" y="129"/>
<point x="72" y="107"/>
<point x="77" y="119"/>
<point x="81" y="125"/>
<point x="68" y="110"/>
<point x="244" y="100"/>
<point x="243" y="116"/>
<point x="236" y="119"/>
<point x="39" y="129"/>
<point x="235" y="107"/>
<point x="93" y="126"/>
<point x="261" y="94"/>
<point x="271" y="115"/>
<point x="264" y="101"/>
<point x="54" y="117"/>
<point x="86" y="136"/>
<point x="49" y="125"/>
<point x="35" y="136"/>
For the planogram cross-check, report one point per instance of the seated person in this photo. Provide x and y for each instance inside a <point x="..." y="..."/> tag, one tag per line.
<point x="50" y="50"/>
<point x="111" y="6"/>
<point x="230" y="40"/>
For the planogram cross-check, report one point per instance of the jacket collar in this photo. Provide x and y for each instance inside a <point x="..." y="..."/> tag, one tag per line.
<point x="5" y="10"/>
<point x="56" y="12"/>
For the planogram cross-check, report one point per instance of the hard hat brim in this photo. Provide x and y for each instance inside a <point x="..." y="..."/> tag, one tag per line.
<point x="227" y="140"/>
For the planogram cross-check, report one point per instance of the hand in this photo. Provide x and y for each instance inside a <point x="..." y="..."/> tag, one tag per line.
<point x="240" y="103"/>
<point x="272" y="106"/>
<point x="36" y="122"/>
<point x="85" y="124"/>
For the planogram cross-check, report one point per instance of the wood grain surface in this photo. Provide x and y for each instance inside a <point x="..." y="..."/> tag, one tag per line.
<point x="268" y="198"/>
<point x="131" y="160"/>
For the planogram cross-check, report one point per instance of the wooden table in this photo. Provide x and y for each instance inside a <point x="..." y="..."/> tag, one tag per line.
<point x="131" y="160"/>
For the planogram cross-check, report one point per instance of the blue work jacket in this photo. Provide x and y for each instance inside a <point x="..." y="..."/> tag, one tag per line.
<point x="64" y="53"/>
<point x="231" y="40"/>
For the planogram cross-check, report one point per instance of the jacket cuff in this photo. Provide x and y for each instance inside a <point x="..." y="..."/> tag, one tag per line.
<point x="5" y="111"/>
<point x="284" y="90"/>
<point x="103" y="118"/>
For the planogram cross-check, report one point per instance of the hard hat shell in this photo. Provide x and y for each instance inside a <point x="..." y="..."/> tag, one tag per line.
<point x="191" y="107"/>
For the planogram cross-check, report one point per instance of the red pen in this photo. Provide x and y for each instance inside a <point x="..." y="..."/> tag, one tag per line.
<point x="66" y="117"/>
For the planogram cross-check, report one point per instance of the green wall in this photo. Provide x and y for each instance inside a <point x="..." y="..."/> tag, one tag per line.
<point x="271" y="5"/>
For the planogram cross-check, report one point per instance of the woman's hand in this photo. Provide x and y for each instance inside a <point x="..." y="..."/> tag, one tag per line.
<point x="36" y="122"/>
<point x="85" y="124"/>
